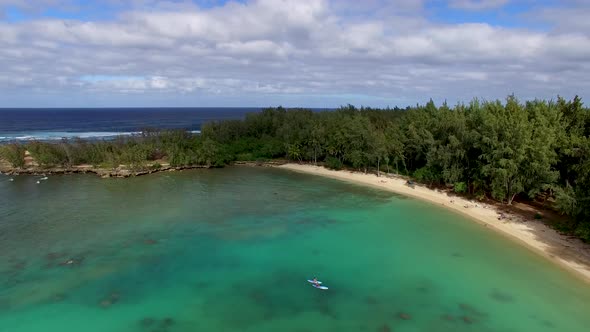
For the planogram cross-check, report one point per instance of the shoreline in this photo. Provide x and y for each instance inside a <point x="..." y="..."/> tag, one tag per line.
<point x="569" y="253"/>
<point x="120" y="172"/>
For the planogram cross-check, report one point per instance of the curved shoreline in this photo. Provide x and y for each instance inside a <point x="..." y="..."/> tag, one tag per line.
<point x="570" y="254"/>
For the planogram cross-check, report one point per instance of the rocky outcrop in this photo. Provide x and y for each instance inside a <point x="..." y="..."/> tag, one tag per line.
<point x="119" y="172"/>
<point x="32" y="168"/>
<point x="262" y="163"/>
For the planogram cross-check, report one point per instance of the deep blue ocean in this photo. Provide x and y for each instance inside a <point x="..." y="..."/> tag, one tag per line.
<point x="54" y="124"/>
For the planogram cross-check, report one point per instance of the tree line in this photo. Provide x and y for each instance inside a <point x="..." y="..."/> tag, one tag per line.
<point x="495" y="149"/>
<point x="136" y="152"/>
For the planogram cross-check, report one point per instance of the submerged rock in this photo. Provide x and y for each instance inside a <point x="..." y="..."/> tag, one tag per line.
<point x="384" y="328"/>
<point x="422" y="289"/>
<point x="404" y="316"/>
<point x="68" y="262"/>
<point x="467" y="319"/>
<point x="72" y="261"/>
<point x="471" y="309"/>
<point x="54" y="255"/>
<point x="110" y="300"/>
<point x="167" y="322"/>
<point x="19" y="266"/>
<point x="371" y="300"/>
<point x="269" y="315"/>
<point x="115" y="296"/>
<point x="447" y="317"/>
<point x="58" y="297"/>
<point x="150" y="241"/>
<point x="257" y="296"/>
<point x="147" y="322"/>
<point x="4" y="304"/>
<point x="154" y="324"/>
<point x="501" y="297"/>
<point x="105" y="303"/>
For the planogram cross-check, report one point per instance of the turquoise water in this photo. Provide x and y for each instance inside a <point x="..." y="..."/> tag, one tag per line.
<point x="230" y="250"/>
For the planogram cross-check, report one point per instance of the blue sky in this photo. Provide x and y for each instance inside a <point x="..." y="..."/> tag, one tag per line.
<point x="317" y="53"/>
<point x="508" y="14"/>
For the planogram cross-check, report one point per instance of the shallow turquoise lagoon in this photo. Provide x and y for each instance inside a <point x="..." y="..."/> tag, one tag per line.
<point x="231" y="249"/>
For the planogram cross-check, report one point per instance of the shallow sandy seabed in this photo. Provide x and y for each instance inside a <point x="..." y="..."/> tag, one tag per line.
<point x="572" y="254"/>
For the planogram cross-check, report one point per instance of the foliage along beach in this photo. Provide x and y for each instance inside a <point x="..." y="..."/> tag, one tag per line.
<point x="534" y="152"/>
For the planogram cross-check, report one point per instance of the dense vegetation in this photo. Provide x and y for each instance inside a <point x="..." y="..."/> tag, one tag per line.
<point x="485" y="149"/>
<point x="176" y="147"/>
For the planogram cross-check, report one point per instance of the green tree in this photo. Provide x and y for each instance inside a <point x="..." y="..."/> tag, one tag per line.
<point x="378" y="148"/>
<point x="504" y="140"/>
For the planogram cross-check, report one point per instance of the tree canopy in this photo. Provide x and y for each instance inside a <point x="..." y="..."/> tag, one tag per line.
<point x="495" y="149"/>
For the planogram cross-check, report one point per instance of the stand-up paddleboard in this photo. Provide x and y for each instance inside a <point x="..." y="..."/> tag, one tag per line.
<point x="317" y="286"/>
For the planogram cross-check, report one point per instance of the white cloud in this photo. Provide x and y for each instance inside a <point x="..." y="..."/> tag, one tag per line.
<point x="477" y="4"/>
<point x="269" y="48"/>
<point x="564" y="19"/>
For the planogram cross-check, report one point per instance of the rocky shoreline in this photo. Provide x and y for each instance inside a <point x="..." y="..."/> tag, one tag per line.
<point x="119" y="172"/>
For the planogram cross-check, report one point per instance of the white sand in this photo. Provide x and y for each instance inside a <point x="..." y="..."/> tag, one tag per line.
<point x="571" y="254"/>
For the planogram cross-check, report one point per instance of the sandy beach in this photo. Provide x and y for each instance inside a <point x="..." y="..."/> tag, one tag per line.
<point x="571" y="254"/>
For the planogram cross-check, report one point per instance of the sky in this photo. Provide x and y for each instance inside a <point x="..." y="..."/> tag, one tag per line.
<point x="306" y="53"/>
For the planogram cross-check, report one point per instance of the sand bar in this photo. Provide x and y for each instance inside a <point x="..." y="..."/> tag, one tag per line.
<point x="571" y="254"/>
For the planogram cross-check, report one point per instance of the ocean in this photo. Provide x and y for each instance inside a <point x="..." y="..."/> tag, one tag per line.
<point x="104" y="123"/>
<point x="231" y="250"/>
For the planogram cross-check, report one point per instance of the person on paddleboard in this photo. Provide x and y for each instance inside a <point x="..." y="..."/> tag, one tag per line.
<point x="315" y="281"/>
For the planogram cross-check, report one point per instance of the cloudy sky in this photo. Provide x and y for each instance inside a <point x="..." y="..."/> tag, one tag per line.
<point x="314" y="53"/>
